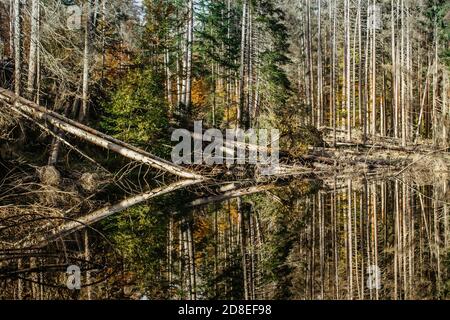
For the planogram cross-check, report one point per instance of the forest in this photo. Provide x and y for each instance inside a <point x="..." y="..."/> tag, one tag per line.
<point x="92" y="92"/>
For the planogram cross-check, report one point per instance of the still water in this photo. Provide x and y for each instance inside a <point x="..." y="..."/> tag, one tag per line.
<point x="352" y="238"/>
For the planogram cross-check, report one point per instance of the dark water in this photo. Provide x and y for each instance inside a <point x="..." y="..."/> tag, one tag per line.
<point x="344" y="239"/>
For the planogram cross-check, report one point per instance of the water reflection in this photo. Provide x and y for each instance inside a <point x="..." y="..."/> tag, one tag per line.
<point x="349" y="239"/>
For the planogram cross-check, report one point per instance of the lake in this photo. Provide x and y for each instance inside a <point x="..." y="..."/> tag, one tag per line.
<point x="343" y="238"/>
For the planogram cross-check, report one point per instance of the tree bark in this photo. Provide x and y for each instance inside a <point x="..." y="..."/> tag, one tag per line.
<point x="20" y="105"/>
<point x="34" y="45"/>
<point x="17" y="48"/>
<point x="86" y="62"/>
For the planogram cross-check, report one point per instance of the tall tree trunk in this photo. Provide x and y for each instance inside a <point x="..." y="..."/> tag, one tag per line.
<point x="435" y="84"/>
<point x="243" y="247"/>
<point x="374" y="73"/>
<point x="333" y="75"/>
<point x="347" y="70"/>
<point x="34" y="45"/>
<point x="310" y="60"/>
<point x="394" y="72"/>
<point x="11" y="27"/>
<point x="242" y="114"/>
<point x="319" y="67"/>
<point x="17" y="48"/>
<point x="403" y="75"/>
<point x="191" y="252"/>
<point x="86" y="62"/>
<point x="189" y="52"/>
<point x="87" y="257"/>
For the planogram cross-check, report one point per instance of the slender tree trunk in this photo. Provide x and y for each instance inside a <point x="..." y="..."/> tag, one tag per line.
<point x="374" y="74"/>
<point x="403" y="75"/>
<point x="333" y="76"/>
<point x="87" y="257"/>
<point x="34" y="45"/>
<point x="243" y="247"/>
<point x="394" y="72"/>
<point x="310" y="60"/>
<point x="11" y="27"/>
<point x="17" y="48"/>
<point x="189" y="52"/>
<point x="242" y="116"/>
<point x="435" y="85"/>
<point x="347" y="70"/>
<point x="319" y="67"/>
<point x="191" y="252"/>
<point x="86" y="62"/>
<point x="360" y="67"/>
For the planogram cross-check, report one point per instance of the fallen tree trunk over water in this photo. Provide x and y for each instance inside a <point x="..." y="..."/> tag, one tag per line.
<point x="98" y="215"/>
<point x="21" y="105"/>
<point x="230" y="195"/>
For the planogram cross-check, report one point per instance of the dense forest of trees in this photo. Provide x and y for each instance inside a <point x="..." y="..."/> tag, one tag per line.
<point x="323" y="72"/>
<point x="369" y="68"/>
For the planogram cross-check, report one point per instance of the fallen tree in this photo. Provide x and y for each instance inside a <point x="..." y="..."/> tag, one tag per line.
<point x="89" y="219"/>
<point x="21" y="105"/>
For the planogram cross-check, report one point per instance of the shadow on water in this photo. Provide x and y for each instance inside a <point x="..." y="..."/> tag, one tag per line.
<point x="351" y="239"/>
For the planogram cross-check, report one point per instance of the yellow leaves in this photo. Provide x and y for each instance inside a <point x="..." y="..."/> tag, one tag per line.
<point x="202" y="228"/>
<point x="234" y="214"/>
<point x="231" y="114"/>
<point x="199" y="93"/>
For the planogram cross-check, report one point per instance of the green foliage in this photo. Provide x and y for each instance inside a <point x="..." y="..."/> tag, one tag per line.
<point x="277" y="87"/>
<point x="140" y="238"/>
<point x="444" y="22"/>
<point x="218" y="36"/>
<point x="137" y="112"/>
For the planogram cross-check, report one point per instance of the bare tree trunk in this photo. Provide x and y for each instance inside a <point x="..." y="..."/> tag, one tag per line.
<point x="187" y="92"/>
<point x="394" y="72"/>
<point x="22" y="106"/>
<point x="191" y="252"/>
<point x="366" y="85"/>
<point x="333" y="76"/>
<point x="11" y="27"/>
<point x="445" y="108"/>
<point x="86" y="62"/>
<point x="347" y="70"/>
<point x="87" y="257"/>
<point x="360" y="67"/>
<point x="310" y="59"/>
<point x="243" y="246"/>
<point x="374" y="76"/>
<point x="242" y="116"/>
<point x="349" y="240"/>
<point x="435" y="84"/>
<point x="319" y="67"/>
<point x="168" y="79"/>
<point x="34" y="45"/>
<point x="403" y="75"/>
<point x="100" y="214"/>
<point x="17" y="48"/>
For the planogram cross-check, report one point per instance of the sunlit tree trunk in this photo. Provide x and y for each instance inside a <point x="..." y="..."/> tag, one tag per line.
<point x="189" y="53"/>
<point x="349" y="240"/>
<point x="333" y="76"/>
<point x="310" y="60"/>
<point x="242" y="112"/>
<point x="374" y="75"/>
<point x="347" y="70"/>
<point x="17" y="48"/>
<point x="86" y="62"/>
<point x="394" y="71"/>
<point x="34" y="47"/>
<point x="319" y="67"/>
